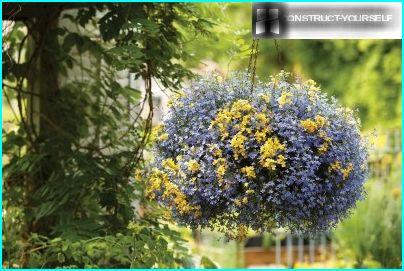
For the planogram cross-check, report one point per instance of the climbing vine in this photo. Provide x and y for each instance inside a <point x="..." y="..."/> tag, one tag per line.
<point x="77" y="134"/>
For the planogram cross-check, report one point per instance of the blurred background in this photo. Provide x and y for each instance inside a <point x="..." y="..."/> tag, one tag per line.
<point x="363" y="74"/>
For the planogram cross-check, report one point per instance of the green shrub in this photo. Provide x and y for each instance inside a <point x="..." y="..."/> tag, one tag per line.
<point x="373" y="232"/>
<point x="143" y="246"/>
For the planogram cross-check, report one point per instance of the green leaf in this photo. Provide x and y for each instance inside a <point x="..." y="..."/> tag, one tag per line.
<point x="207" y="263"/>
<point x="61" y="257"/>
<point x="69" y="42"/>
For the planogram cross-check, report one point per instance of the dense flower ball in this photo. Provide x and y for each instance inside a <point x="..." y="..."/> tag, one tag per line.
<point x="282" y="155"/>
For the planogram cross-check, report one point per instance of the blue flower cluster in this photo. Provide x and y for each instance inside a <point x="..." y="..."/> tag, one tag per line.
<point x="282" y="155"/>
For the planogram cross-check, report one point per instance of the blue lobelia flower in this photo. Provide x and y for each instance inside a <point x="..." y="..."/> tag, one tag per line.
<point x="284" y="155"/>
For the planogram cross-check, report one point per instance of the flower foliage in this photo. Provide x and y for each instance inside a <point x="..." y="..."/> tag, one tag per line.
<point x="282" y="155"/>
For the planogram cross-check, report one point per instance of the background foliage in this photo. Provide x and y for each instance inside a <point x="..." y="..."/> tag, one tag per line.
<point x="374" y="230"/>
<point x="362" y="74"/>
<point x="70" y="151"/>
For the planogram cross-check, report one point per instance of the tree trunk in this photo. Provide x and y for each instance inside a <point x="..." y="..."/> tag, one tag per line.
<point x="42" y="77"/>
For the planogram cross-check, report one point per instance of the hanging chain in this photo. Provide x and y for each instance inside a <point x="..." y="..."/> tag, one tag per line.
<point x="280" y="62"/>
<point x="251" y="56"/>
<point x="252" y="63"/>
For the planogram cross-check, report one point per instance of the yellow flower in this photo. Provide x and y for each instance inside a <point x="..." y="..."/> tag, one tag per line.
<point x="241" y="106"/>
<point x="313" y="90"/>
<point x="155" y="181"/>
<point x="312" y="85"/>
<point x="193" y="166"/>
<point x="159" y="181"/>
<point x="222" y="120"/>
<point x="138" y="175"/>
<point x="346" y="171"/>
<point x="221" y="171"/>
<point x="239" y="110"/>
<point x="237" y="144"/>
<point x="156" y="130"/>
<point x="225" y="135"/>
<point x="169" y="164"/>
<point x="221" y="167"/>
<point x="326" y="144"/>
<point x="249" y="172"/>
<point x="265" y="98"/>
<point x="243" y="125"/>
<point x="271" y="146"/>
<point x="239" y="202"/>
<point x="284" y="99"/>
<point x="223" y="117"/>
<point x="337" y="166"/>
<point x="323" y="148"/>
<point x="281" y="160"/>
<point x="310" y="82"/>
<point x="269" y="151"/>
<point x="249" y="191"/>
<point x="216" y="151"/>
<point x="312" y="126"/>
<point x="170" y="103"/>
<point x="309" y="125"/>
<point x="173" y="101"/>
<point x="219" y="161"/>
<point x="260" y="136"/>
<point x="262" y="119"/>
<point x="176" y="197"/>
<point x="167" y="215"/>
<point x="320" y="121"/>
<point x="163" y="137"/>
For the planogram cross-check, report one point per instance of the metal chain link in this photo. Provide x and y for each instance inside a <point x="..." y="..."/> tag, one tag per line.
<point x="252" y="63"/>
<point x="280" y="62"/>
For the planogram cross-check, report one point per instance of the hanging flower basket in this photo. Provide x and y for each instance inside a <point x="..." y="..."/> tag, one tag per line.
<point x="282" y="155"/>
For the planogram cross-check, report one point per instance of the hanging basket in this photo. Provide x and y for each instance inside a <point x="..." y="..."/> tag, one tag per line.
<point x="284" y="155"/>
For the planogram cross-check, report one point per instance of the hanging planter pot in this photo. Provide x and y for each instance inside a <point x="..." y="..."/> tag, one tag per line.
<point x="283" y="155"/>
